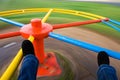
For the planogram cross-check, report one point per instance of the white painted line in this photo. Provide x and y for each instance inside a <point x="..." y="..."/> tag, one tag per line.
<point x="10" y="44"/>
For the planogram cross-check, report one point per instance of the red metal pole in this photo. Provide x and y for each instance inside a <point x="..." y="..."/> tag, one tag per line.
<point x="57" y="26"/>
<point x="39" y="40"/>
<point x="39" y="49"/>
<point x="10" y="34"/>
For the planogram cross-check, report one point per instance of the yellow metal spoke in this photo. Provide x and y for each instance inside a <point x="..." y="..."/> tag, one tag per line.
<point x="47" y="15"/>
<point x="31" y="38"/>
<point x="14" y="64"/>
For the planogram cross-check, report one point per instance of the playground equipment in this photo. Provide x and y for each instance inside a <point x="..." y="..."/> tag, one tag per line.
<point x="37" y="30"/>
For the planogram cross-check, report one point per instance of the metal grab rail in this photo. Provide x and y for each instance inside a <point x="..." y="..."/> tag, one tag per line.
<point x="11" y="22"/>
<point x="85" y="45"/>
<point x="64" y="11"/>
<point x="10" y="34"/>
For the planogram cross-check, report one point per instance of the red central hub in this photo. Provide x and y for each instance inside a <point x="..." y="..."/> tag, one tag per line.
<point x="37" y="29"/>
<point x="48" y="62"/>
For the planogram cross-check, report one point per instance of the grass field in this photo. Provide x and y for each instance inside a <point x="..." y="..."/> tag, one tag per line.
<point x="106" y="10"/>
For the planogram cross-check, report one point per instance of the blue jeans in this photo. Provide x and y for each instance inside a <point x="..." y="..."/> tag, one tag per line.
<point x="30" y="63"/>
<point x="106" y="72"/>
<point x="29" y="68"/>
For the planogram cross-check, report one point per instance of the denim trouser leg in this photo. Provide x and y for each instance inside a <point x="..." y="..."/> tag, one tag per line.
<point x="28" y="68"/>
<point x="106" y="72"/>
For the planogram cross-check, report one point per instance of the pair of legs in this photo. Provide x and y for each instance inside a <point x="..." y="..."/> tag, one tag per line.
<point x="30" y="63"/>
<point x="105" y="71"/>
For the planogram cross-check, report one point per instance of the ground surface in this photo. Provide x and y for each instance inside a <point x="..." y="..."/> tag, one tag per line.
<point x="82" y="61"/>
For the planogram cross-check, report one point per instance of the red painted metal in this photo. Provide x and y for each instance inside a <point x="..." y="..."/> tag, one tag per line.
<point x="10" y="34"/>
<point x="50" y="67"/>
<point x="48" y="63"/>
<point x="57" y="26"/>
<point x="40" y="31"/>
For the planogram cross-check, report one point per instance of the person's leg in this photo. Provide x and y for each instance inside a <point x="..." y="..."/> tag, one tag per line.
<point x="30" y="63"/>
<point x="105" y="71"/>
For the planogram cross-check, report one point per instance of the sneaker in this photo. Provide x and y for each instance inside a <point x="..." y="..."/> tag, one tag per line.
<point x="103" y="58"/>
<point x="27" y="48"/>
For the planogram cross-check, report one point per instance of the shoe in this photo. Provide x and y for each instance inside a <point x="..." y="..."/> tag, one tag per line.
<point x="27" y="48"/>
<point x="103" y="58"/>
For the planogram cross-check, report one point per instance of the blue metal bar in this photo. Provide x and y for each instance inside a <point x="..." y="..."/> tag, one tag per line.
<point x="114" y="27"/>
<point x="116" y="22"/>
<point x="11" y="22"/>
<point x="85" y="45"/>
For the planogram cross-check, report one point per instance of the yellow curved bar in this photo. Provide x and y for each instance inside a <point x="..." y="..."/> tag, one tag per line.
<point x="72" y="12"/>
<point x="78" y="12"/>
<point x="86" y="16"/>
<point x="14" y="64"/>
<point x="90" y="14"/>
<point x="47" y="15"/>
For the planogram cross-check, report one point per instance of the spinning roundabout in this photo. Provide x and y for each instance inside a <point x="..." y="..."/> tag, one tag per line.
<point x="37" y="30"/>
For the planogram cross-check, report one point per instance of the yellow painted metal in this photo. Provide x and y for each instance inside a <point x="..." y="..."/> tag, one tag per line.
<point x="78" y="12"/>
<point x="90" y="14"/>
<point x="47" y="15"/>
<point x="86" y="16"/>
<point x="31" y="38"/>
<point x="64" y="11"/>
<point x="14" y="64"/>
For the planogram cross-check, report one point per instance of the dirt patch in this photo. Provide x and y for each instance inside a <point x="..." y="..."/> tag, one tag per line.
<point x="90" y="37"/>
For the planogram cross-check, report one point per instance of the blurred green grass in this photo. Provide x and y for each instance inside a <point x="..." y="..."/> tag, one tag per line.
<point x="106" y="10"/>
